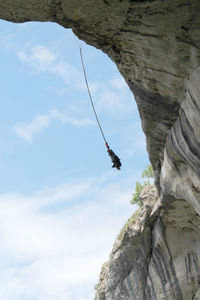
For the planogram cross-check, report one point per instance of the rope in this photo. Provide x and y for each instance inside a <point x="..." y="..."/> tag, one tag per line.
<point x="114" y="158"/>
<point x="90" y="96"/>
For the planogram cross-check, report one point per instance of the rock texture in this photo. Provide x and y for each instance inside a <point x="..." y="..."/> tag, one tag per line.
<point x="156" y="256"/>
<point x="156" y="47"/>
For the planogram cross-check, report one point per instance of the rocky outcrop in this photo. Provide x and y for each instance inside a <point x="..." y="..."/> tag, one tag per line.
<point x="156" y="255"/>
<point x="156" y="47"/>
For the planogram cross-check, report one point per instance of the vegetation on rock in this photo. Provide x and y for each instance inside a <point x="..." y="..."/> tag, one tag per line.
<point x="130" y="221"/>
<point x="147" y="173"/>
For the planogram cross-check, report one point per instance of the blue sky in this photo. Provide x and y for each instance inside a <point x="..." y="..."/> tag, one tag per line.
<point x="61" y="203"/>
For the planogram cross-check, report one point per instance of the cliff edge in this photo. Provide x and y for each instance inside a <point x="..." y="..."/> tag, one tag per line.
<point x="156" y="47"/>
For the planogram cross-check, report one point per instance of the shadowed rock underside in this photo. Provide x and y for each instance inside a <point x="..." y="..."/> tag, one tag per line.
<point x="156" y="47"/>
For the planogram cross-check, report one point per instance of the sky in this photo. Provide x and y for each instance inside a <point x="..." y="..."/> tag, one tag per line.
<point x="62" y="205"/>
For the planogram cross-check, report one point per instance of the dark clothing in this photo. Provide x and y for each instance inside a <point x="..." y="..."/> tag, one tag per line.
<point x="115" y="159"/>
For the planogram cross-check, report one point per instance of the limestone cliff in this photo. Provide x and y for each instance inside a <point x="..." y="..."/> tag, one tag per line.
<point x="156" y="254"/>
<point x="156" y="47"/>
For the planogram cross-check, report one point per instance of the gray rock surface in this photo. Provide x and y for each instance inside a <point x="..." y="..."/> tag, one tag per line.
<point x="156" y="47"/>
<point x="156" y="256"/>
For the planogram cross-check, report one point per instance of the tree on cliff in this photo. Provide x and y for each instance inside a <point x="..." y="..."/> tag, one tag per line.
<point x="147" y="173"/>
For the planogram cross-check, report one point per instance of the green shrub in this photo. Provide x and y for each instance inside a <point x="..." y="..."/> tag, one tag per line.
<point x="138" y="188"/>
<point x="147" y="173"/>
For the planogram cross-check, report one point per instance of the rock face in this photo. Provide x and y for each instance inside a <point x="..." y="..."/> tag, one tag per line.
<point x="156" y="47"/>
<point x="156" y="256"/>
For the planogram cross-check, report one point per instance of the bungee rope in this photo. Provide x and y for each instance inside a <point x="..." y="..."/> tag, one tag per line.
<point x="90" y="96"/>
<point x="115" y="159"/>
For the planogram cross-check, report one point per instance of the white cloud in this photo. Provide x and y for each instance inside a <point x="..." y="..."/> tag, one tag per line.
<point x="118" y="83"/>
<point x="6" y="42"/>
<point x="28" y="131"/>
<point x="113" y="96"/>
<point x="67" y="119"/>
<point x="54" y="241"/>
<point x="134" y="143"/>
<point x="68" y="73"/>
<point x="115" y="103"/>
<point x="111" y="101"/>
<point x="39" y="57"/>
<point x="43" y="59"/>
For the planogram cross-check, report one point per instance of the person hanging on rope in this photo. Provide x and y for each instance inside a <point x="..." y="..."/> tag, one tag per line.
<point x="114" y="158"/>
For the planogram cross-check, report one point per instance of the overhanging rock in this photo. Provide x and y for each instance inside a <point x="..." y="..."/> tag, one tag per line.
<point x="156" y="47"/>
